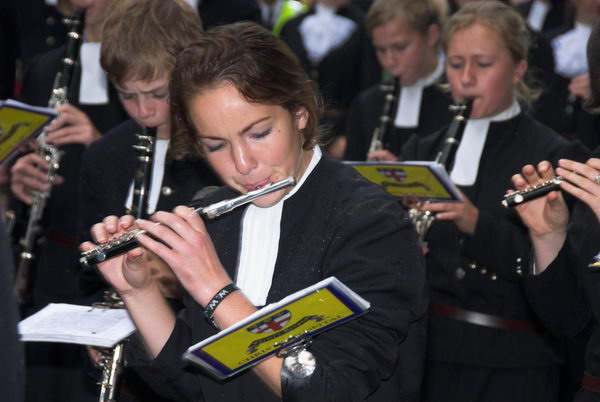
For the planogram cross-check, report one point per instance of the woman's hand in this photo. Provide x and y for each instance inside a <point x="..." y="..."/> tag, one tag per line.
<point x="126" y="273"/>
<point x="71" y="126"/>
<point x="188" y="250"/>
<point x="544" y="215"/>
<point x="582" y="181"/>
<point x="463" y="214"/>
<point x="29" y="174"/>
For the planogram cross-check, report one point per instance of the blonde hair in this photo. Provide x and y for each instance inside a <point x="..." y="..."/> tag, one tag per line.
<point x="141" y="38"/>
<point x="510" y="27"/>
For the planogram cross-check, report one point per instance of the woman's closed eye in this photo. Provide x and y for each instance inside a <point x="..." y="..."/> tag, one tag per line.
<point x="160" y="95"/>
<point x="213" y="146"/>
<point x="261" y="134"/>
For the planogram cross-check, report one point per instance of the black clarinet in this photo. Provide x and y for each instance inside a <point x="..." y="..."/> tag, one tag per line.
<point x="143" y="173"/>
<point x="50" y="153"/>
<point x="462" y="111"/>
<point x="424" y="219"/>
<point x="389" y="89"/>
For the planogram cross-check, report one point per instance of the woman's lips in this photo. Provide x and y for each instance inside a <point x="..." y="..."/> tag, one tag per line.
<point x="258" y="185"/>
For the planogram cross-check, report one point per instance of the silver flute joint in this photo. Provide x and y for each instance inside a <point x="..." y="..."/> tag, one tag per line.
<point x="530" y="193"/>
<point x="128" y="241"/>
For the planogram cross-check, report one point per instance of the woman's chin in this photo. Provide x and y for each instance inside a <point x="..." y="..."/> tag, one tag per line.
<point x="270" y="199"/>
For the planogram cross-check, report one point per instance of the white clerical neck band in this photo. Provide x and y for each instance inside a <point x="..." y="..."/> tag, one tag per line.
<point x="261" y="229"/>
<point x="325" y="31"/>
<point x="410" y="97"/>
<point x="93" y="87"/>
<point x="469" y="150"/>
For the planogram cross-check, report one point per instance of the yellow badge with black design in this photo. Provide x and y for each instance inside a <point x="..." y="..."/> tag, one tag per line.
<point x="298" y="317"/>
<point x="425" y="181"/>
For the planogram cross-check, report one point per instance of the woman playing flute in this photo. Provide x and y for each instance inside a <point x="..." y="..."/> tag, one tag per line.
<point x="243" y="102"/>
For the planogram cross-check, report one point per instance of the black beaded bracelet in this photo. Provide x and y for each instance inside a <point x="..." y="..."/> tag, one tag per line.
<point x="216" y="300"/>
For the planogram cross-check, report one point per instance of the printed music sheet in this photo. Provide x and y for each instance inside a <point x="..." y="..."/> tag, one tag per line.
<point x="83" y="325"/>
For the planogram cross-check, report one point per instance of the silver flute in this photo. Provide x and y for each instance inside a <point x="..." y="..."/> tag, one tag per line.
<point x="128" y="241"/>
<point x="530" y="193"/>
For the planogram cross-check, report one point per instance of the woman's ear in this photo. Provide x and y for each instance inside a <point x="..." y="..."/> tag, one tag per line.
<point x="520" y="71"/>
<point x="301" y="117"/>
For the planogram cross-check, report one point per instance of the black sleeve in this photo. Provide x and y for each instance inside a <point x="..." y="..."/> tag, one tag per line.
<point x="376" y="254"/>
<point x="356" y="131"/>
<point x="168" y="374"/>
<point x="556" y="296"/>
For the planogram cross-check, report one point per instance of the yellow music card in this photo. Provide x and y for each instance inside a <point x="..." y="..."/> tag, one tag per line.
<point x="296" y="318"/>
<point x="421" y="180"/>
<point x="19" y="123"/>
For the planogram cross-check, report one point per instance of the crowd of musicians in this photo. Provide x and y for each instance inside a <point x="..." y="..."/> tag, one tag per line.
<point x="487" y="304"/>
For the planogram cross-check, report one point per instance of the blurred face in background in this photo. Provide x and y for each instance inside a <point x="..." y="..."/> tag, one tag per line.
<point x="480" y="66"/>
<point x="404" y="52"/>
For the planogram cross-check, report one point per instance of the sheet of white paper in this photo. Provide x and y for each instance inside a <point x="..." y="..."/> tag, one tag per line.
<point x="82" y="325"/>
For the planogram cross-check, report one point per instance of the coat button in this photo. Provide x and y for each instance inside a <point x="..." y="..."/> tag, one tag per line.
<point x="472" y="265"/>
<point x="167" y="191"/>
<point x="50" y="21"/>
<point x="50" y="41"/>
<point x="483" y="271"/>
<point x="494" y="277"/>
<point x="460" y="273"/>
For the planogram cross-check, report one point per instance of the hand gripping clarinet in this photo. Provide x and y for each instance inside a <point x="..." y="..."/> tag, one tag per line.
<point x="424" y="219"/>
<point x="50" y="153"/>
<point x="390" y="89"/>
<point x="112" y="362"/>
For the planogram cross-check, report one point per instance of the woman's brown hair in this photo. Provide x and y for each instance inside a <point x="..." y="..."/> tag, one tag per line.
<point x="259" y="65"/>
